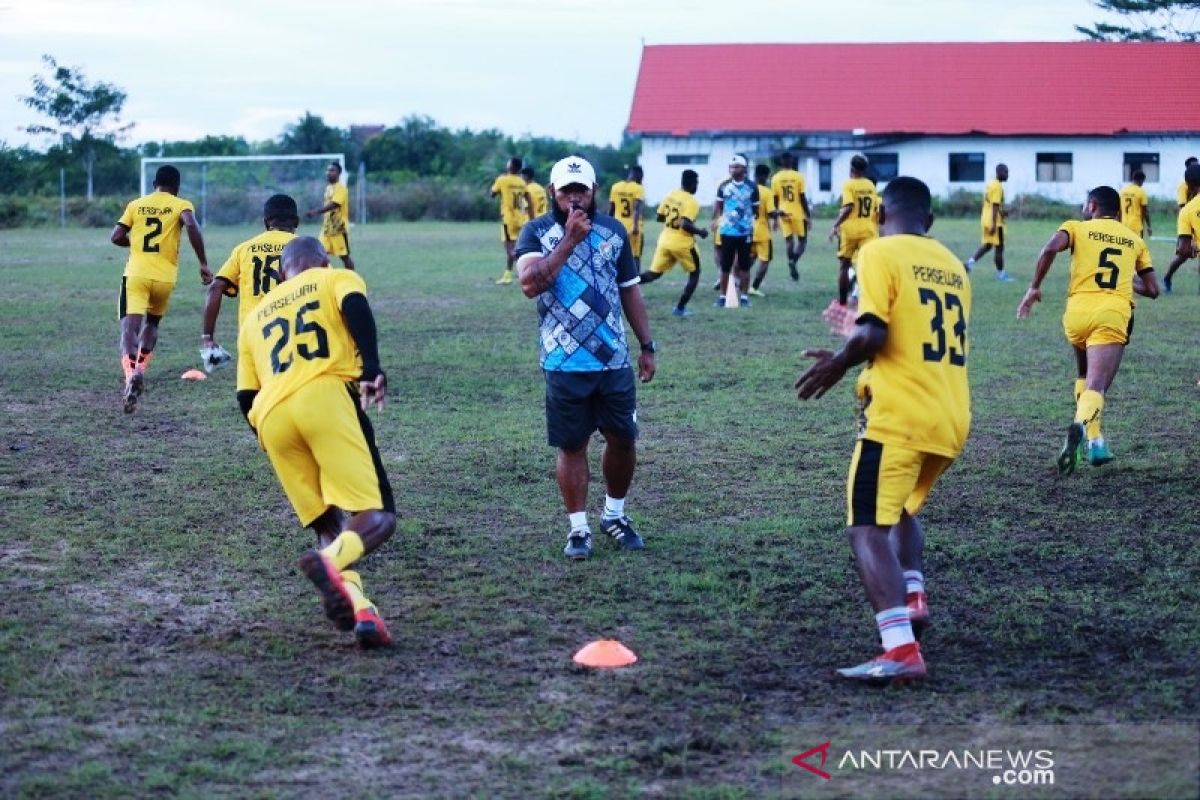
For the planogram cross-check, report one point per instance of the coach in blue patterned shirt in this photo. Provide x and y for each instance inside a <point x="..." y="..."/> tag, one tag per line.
<point x="733" y="216"/>
<point x="579" y="266"/>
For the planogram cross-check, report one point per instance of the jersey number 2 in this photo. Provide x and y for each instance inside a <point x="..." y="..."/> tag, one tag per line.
<point x="149" y="245"/>
<point x="301" y="327"/>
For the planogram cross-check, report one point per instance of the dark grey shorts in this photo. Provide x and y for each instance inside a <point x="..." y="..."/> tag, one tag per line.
<point x="580" y="403"/>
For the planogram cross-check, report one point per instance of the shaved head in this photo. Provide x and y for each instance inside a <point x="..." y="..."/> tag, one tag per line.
<point x="301" y="253"/>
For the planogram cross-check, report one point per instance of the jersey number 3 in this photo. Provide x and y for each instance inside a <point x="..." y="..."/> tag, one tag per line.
<point x="939" y="350"/>
<point x="300" y="327"/>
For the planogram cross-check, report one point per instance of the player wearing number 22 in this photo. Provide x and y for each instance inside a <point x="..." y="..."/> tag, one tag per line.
<point x="308" y="369"/>
<point x="914" y="413"/>
<point x="1108" y="264"/>
<point x="150" y="228"/>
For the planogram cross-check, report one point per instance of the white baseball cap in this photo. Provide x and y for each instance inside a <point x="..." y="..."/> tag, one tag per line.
<point x="572" y="169"/>
<point x="738" y="161"/>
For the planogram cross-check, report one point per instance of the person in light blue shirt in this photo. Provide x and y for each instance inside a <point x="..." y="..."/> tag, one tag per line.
<point x="733" y="217"/>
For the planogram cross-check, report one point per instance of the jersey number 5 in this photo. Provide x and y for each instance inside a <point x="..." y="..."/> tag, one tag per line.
<point x="300" y="327"/>
<point x="938" y="351"/>
<point x="1108" y="281"/>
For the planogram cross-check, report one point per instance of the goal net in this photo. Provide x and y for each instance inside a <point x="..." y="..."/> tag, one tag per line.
<point x="231" y="190"/>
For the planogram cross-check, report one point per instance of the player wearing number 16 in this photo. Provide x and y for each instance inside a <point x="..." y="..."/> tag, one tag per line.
<point x="308" y="370"/>
<point x="914" y="413"/>
<point x="150" y="228"/>
<point x="1109" y="263"/>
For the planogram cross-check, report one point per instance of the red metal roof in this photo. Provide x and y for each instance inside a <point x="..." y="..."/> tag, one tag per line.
<point x="996" y="88"/>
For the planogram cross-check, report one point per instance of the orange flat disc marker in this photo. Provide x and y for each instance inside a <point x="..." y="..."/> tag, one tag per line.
<point x="605" y="653"/>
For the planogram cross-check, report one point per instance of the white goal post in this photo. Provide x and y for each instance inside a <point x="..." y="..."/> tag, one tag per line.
<point x="196" y="178"/>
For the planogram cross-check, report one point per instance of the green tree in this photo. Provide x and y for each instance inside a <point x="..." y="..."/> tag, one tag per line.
<point x="84" y="114"/>
<point x="1148" y="21"/>
<point x="311" y="135"/>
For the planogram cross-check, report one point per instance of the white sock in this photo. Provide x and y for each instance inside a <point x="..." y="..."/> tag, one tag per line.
<point x="613" y="506"/>
<point x="895" y="629"/>
<point x="578" y="521"/>
<point x="914" y="581"/>
<point x="970" y="263"/>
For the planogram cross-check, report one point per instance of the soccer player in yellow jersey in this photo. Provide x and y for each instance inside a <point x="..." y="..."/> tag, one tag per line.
<point x="914" y="413"/>
<point x="991" y="220"/>
<point x="1135" y="206"/>
<point x="626" y="199"/>
<point x="761" y="246"/>
<point x="795" y="219"/>
<point x="251" y="271"/>
<point x="510" y="188"/>
<point x="150" y="228"/>
<point x="308" y="370"/>
<point x="335" y="228"/>
<point x="677" y="242"/>
<point x="535" y="193"/>
<point x="1183" y="192"/>
<point x="1188" y="227"/>
<point x="1108" y="264"/>
<point x="856" y="222"/>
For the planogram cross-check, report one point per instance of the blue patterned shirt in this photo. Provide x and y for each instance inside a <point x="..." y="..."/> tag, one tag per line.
<point x="581" y="325"/>
<point x="739" y="207"/>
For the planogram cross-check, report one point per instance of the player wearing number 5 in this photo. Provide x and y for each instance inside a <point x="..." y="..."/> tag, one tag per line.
<point x="914" y="413"/>
<point x="251" y="271"/>
<point x="855" y="224"/>
<point x="150" y="228"/>
<point x="308" y="370"/>
<point x="1108" y="264"/>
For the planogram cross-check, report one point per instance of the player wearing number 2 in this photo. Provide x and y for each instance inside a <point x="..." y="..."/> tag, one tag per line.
<point x="677" y="242"/>
<point x="150" y="228"/>
<point x="914" y="413"/>
<point x="855" y="224"/>
<point x="251" y="271"/>
<point x="308" y="370"/>
<point x="1108" y="264"/>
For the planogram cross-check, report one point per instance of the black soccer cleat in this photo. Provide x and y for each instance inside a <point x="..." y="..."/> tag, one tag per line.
<point x="622" y="532"/>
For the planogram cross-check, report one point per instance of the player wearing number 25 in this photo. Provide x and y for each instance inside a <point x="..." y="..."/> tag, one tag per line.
<point x="1109" y="263"/>
<point x="914" y="413"/>
<point x="308" y="369"/>
<point x="150" y="229"/>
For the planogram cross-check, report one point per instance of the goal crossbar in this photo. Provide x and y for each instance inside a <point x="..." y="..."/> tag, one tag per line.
<point x="340" y="158"/>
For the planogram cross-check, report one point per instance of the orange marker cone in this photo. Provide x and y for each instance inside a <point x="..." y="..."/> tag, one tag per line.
<point x="732" y="297"/>
<point x="605" y="653"/>
<point x="194" y="375"/>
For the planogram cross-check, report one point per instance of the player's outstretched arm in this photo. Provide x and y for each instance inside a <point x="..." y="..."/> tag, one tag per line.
<point x="196" y="238"/>
<point x="1058" y="242"/>
<point x="829" y="367"/>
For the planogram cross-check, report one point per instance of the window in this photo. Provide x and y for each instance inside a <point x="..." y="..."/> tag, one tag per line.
<point x="1146" y="162"/>
<point x="1054" y="167"/>
<point x="687" y="158"/>
<point x="884" y="166"/>
<point x="966" y="167"/>
<point x="825" y="174"/>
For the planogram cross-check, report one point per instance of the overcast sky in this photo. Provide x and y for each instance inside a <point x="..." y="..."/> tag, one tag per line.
<point x="565" y="68"/>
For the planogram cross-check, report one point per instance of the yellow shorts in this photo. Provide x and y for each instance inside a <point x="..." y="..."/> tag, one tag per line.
<point x="336" y="244"/>
<point x="717" y="238"/>
<point x="142" y="296"/>
<point x="996" y="239"/>
<point x="793" y="226"/>
<point x="510" y="229"/>
<point x="886" y="479"/>
<point x="637" y="241"/>
<point x="322" y="447"/>
<point x="848" y="246"/>
<point x="1096" y="322"/>
<point x="667" y="257"/>
<point x="762" y="249"/>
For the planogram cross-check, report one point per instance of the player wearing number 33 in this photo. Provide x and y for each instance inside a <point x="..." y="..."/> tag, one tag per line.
<point x="308" y="369"/>
<point x="914" y="413"/>
<point x="1109" y="262"/>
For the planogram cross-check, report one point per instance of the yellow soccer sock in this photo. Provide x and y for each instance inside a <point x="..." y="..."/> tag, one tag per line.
<point x="1080" y="388"/>
<point x="344" y="550"/>
<point x="1087" y="411"/>
<point x="354" y="586"/>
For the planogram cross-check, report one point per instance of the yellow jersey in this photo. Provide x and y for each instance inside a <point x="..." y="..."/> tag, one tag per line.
<point x="1189" y="220"/>
<point x="1181" y="194"/>
<point x="768" y="202"/>
<point x="296" y="334"/>
<point x="859" y="194"/>
<point x="337" y="219"/>
<point x="788" y="185"/>
<point x="914" y="392"/>
<point x="1104" y="257"/>
<point x="1133" y="207"/>
<point x="541" y="203"/>
<point x="154" y="224"/>
<point x="674" y="208"/>
<point x="993" y="195"/>
<point x="625" y="195"/>
<point x="511" y="189"/>
<point x="252" y="269"/>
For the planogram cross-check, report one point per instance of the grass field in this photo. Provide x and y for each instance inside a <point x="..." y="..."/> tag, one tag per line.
<point x="156" y="638"/>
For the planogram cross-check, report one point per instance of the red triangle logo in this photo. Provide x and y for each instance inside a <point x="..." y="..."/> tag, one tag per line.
<point x="823" y="749"/>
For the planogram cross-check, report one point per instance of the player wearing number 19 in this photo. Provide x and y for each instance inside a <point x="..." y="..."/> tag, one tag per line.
<point x="1108" y="264"/>
<point x="855" y="224"/>
<point x="914" y="413"/>
<point x="308" y="370"/>
<point x="150" y="228"/>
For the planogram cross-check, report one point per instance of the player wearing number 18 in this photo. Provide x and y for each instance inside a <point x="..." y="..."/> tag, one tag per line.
<point x="308" y="370"/>
<point x="1108" y="264"/>
<point x="914" y="413"/>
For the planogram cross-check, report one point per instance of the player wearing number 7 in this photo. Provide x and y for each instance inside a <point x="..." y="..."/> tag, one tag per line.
<point x="251" y="270"/>
<point x="1109" y="263"/>
<point x="914" y="412"/>
<point x="308" y="370"/>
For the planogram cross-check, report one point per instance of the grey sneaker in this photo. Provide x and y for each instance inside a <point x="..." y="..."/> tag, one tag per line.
<point x="579" y="545"/>
<point x="622" y="532"/>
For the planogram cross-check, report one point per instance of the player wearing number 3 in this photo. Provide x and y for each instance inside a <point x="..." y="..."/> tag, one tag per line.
<point x="308" y="370"/>
<point x="150" y="228"/>
<point x="914" y="413"/>
<point x="1108" y="264"/>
